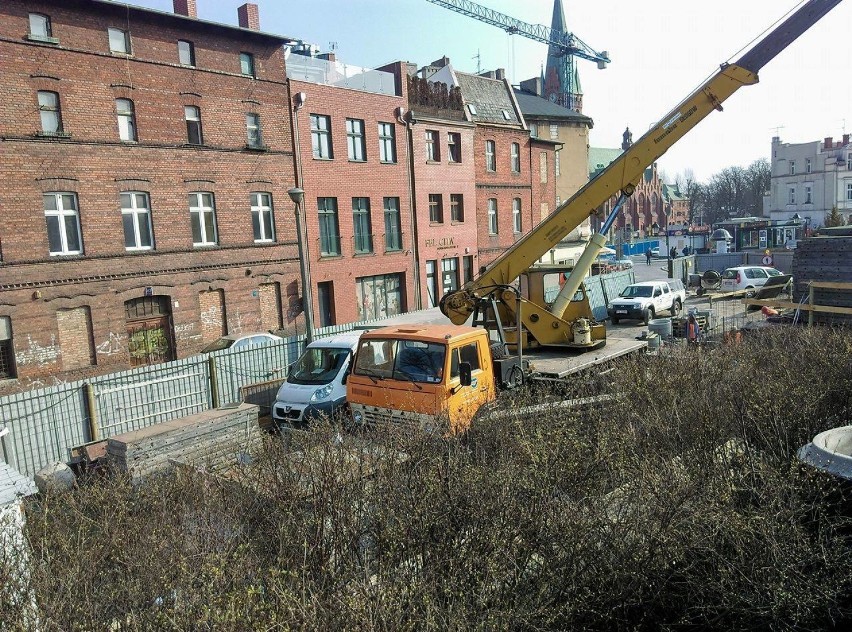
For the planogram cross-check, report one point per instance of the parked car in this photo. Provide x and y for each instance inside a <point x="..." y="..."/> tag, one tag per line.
<point x="747" y="278"/>
<point x="316" y="382"/>
<point x="655" y="252"/>
<point x="644" y="300"/>
<point x="623" y="264"/>
<point x="238" y="341"/>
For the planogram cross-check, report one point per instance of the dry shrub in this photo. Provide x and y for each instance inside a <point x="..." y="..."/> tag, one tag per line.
<point x="675" y="503"/>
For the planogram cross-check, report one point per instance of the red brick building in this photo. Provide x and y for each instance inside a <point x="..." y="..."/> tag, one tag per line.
<point x="353" y="158"/>
<point x="144" y="169"/>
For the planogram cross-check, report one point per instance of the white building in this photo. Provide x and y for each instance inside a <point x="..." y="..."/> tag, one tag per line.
<point x="809" y="179"/>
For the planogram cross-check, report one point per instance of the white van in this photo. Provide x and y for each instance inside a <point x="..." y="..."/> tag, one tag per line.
<point x="316" y="382"/>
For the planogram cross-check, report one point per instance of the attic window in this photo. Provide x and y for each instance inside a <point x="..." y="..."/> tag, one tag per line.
<point x="471" y="108"/>
<point x="506" y="115"/>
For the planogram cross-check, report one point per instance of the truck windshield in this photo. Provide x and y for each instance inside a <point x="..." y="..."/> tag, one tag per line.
<point x="405" y="360"/>
<point x="637" y="291"/>
<point x="318" y="365"/>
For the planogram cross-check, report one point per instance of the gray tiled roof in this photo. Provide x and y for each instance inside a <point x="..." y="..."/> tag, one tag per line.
<point x="490" y="99"/>
<point x="14" y="485"/>
<point x="533" y="105"/>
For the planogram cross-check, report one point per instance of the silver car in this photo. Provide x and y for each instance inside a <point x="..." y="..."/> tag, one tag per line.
<point x="747" y="278"/>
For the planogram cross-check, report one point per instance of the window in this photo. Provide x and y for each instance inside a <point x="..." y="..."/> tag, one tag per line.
<point x="387" y="142"/>
<point x="450" y="274"/>
<point x="328" y="227"/>
<point x="63" y="223"/>
<point x="432" y="282"/>
<point x="261" y="217"/>
<point x="516" y="214"/>
<point x="433" y="153"/>
<point x="792" y="195"/>
<point x="119" y="41"/>
<point x="516" y="158"/>
<point x="436" y="208"/>
<point x="556" y="168"/>
<point x="393" y="225"/>
<point x="192" y="115"/>
<point x="454" y="147"/>
<point x="379" y="296"/>
<point x="849" y="191"/>
<point x="136" y="218"/>
<point x="468" y="353"/>
<point x="456" y="207"/>
<point x="807" y="165"/>
<point x="492" y="216"/>
<point x="40" y="28"/>
<point x="534" y="130"/>
<point x="186" y="53"/>
<point x="253" y="135"/>
<point x="471" y="108"/>
<point x="126" y="119"/>
<point x="247" y="64"/>
<point x="490" y="157"/>
<point x="542" y="167"/>
<point x="355" y="139"/>
<point x="321" y="136"/>
<point x="808" y="199"/>
<point x="554" y="131"/>
<point x="467" y="268"/>
<point x="7" y="349"/>
<point x="506" y="115"/>
<point x="849" y="162"/>
<point x="362" y="225"/>
<point x="51" y="115"/>
<point x="202" y="212"/>
<point x="792" y="167"/>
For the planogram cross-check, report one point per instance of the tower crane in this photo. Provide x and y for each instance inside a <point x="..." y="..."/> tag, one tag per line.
<point x="567" y="45"/>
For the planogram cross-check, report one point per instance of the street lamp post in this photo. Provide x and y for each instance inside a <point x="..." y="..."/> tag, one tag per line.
<point x="298" y="196"/>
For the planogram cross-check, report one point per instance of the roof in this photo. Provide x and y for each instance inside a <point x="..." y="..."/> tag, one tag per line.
<point x="672" y="192"/>
<point x="426" y="333"/>
<point x="345" y="339"/>
<point x="14" y="485"/>
<point x="600" y="158"/>
<point x="491" y="99"/>
<point x="533" y="106"/>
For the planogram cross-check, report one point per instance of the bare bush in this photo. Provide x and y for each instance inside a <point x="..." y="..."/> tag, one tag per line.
<point x="674" y="502"/>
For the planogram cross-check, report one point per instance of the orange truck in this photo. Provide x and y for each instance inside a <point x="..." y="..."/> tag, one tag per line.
<point x="421" y="375"/>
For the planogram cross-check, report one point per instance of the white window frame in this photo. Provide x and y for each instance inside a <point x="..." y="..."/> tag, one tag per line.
<point x="387" y="142"/>
<point x="247" y="67"/>
<point x="792" y="167"/>
<point x="791" y="195"/>
<point x="554" y="131"/>
<point x="849" y="191"/>
<point x="557" y="168"/>
<point x="454" y="147"/>
<point x="490" y="156"/>
<point x="192" y="116"/>
<point x="254" y="135"/>
<point x="186" y="53"/>
<point x="355" y="145"/>
<point x="50" y="112"/>
<point x="262" y="218"/>
<point x="534" y="130"/>
<point x="200" y="214"/>
<point x="138" y="210"/>
<point x="119" y="41"/>
<point x="516" y="158"/>
<point x="40" y="28"/>
<point x="849" y="161"/>
<point x="493" y="227"/>
<point x="517" y="224"/>
<point x="433" y="148"/>
<point x="126" y="115"/>
<point x="321" y="145"/>
<point x="66" y="218"/>
<point x="807" y="165"/>
<point x="808" y="194"/>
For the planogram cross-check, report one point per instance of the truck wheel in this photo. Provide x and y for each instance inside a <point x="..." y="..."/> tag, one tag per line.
<point x="516" y="377"/>
<point x="700" y="291"/>
<point x="648" y="315"/>
<point x="498" y="350"/>
<point x="676" y="308"/>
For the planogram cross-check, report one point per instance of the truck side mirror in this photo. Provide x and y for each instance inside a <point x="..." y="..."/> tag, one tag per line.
<point x="465" y="374"/>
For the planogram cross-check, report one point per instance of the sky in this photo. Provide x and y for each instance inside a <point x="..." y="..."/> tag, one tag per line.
<point x="661" y="50"/>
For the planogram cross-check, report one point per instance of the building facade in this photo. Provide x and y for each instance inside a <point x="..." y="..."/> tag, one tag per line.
<point x="809" y="180"/>
<point x="143" y="206"/>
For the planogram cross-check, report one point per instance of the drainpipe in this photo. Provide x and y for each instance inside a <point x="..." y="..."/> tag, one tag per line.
<point x="408" y="121"/>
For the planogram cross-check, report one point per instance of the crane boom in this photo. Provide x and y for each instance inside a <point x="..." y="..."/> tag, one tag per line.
<point x="567" y="43"/>
<point x="622" y="175"/>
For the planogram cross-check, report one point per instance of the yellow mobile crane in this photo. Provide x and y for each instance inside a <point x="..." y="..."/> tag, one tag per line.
<point x="493" y="297"/>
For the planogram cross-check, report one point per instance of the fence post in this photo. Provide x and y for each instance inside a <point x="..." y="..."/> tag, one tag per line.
<point x="92" y="411"/>
<point x="811" y="303"/>
<point x="214" y="382"/>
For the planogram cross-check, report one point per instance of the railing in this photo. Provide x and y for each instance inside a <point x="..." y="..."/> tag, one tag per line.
<point x="335" y="73"/>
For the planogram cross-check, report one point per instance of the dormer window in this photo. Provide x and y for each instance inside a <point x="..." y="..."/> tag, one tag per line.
<point x="506" y="115"/>
<point x="471" y="108"/>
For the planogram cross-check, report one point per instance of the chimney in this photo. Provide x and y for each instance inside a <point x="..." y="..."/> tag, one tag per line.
<point x="532" y="85"/>
<point x="846" y="139"/>
<point x="828" y="143"/>
<point x="248" y="16"/>
<point x="500" y="74"/>
<point x="186" y="7"/>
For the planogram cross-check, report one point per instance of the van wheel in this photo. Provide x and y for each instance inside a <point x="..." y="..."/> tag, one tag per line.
<point x="700" y="291"/>
<point x="676" y="308"/>
<point x="615" y="320"/>
<point x="750" y="292"/>
<point x="648" y="315"/>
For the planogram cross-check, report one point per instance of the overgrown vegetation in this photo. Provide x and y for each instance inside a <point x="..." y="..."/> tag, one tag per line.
<point x="677" y="504"/>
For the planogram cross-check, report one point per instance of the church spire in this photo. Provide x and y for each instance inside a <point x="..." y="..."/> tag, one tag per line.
<point x="560" y="68"/>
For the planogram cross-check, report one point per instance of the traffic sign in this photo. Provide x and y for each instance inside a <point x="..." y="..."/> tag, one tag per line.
<point x="767" y="260"/>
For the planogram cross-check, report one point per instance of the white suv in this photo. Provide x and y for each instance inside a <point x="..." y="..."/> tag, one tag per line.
<point x="747" y="278"/>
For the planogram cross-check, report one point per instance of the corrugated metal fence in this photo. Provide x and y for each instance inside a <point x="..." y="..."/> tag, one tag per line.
<point x="45" y="425"/>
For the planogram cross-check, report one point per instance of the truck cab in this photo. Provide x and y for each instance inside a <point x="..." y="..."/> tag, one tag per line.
<point x="418" y="376"/>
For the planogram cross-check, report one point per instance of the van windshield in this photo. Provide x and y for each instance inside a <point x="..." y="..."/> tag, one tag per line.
<point x="405" y="360"/>
<point x="318" y="365"/>
<point x="636" y="291"/>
